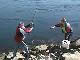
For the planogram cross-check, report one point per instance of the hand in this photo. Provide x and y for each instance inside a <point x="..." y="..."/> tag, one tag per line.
<point x="52" y="27"/>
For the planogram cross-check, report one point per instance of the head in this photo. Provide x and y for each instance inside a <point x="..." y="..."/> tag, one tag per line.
<point x="21" y="24"/>
<point x="31" y="22"/>
<point x="63" y="20"/>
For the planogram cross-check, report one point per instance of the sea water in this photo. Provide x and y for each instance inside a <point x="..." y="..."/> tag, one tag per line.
<point x="44" y="14"/>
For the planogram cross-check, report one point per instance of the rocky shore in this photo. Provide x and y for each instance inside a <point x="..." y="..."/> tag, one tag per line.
<point x="46" y="52"/>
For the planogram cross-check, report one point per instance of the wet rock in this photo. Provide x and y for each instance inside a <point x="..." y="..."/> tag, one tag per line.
<point x="75" y="44"/>
<point x="44" y="57"/>
<point x="65" y="44"/>
<point x="78" y="42"/>
<point x="2" y="56"/>
<point x="69" y="56"/>
<point x="10" y="55"/>
<point x="48" y="57"/>
<point x="32" y="56"/>
<point x="24" y="53"/>
<point x="18" y="56"/>
<point x="33" y="52"/>
<point x="49" y="52"/>
<point x="41" y="47"/>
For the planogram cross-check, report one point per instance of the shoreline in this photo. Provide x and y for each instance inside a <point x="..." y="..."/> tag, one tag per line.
<point x="49" y="51"/>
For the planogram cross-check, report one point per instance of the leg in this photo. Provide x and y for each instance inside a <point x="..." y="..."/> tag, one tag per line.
<point x="65" y="35"/>
<point x="23" y="37"/>
<point x="69" y="35"/>
<point x="25" y="47"/>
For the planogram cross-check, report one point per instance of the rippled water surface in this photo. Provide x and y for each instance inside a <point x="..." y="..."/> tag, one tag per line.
<point x="44" y="13"/>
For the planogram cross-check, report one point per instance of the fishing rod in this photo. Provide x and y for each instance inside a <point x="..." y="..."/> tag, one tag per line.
<point x="32" y="20"/>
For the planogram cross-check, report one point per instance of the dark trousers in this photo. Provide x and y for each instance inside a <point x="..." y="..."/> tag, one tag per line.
<point x="21" y="47"/>
<point x="68" y="35"/>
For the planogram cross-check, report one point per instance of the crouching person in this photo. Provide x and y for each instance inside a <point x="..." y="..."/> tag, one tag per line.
<point x="65" y="27"/>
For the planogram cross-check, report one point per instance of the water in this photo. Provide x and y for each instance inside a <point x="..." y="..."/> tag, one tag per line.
<point x="45" y="13"/>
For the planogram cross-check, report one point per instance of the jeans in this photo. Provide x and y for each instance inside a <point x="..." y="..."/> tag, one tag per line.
<point x="20" y="46"/>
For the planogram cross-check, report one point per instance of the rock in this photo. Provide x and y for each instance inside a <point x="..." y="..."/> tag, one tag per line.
<point x="47" y="51"/>
<point x="15" y="58"/>
<point x="2" y="56"/>
<point x="44" y="57"/>
<point x="65" y="44"/>
<point x="33" y="52"/>
<point x="29" y="59"/>
<point x="10" y="55"/>
<point x="32" y="56"/>
<point x="78" y="42"/>
<point x="52" y="45"/>
<point x="42" y="47"/>
<point x="79" y="48"/>
<point x="24" y="53"/>
<point x="69" y="56"/>
<point x="18" y="56"/>
<point x="48" y="58"/>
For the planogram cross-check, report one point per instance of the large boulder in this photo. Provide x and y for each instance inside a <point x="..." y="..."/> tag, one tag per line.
<point x="65" y="44"/>
<point x="69" y="56"/>
<point x="78" y="42"/>
<point x="2" y="56"/>
<point x="10" y="55"/>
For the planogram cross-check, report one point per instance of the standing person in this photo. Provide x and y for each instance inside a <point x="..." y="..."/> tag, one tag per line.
<point x="65" y="27"/>
<point x="19" y="37"/>
<point x="21" y="30"/>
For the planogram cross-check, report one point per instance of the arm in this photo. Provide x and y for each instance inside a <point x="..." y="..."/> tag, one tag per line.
<point x="22" y="31"/>
<point x="57" y="25"/>
<point x="52" y="27"/>
<point x="30" y="25"/>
